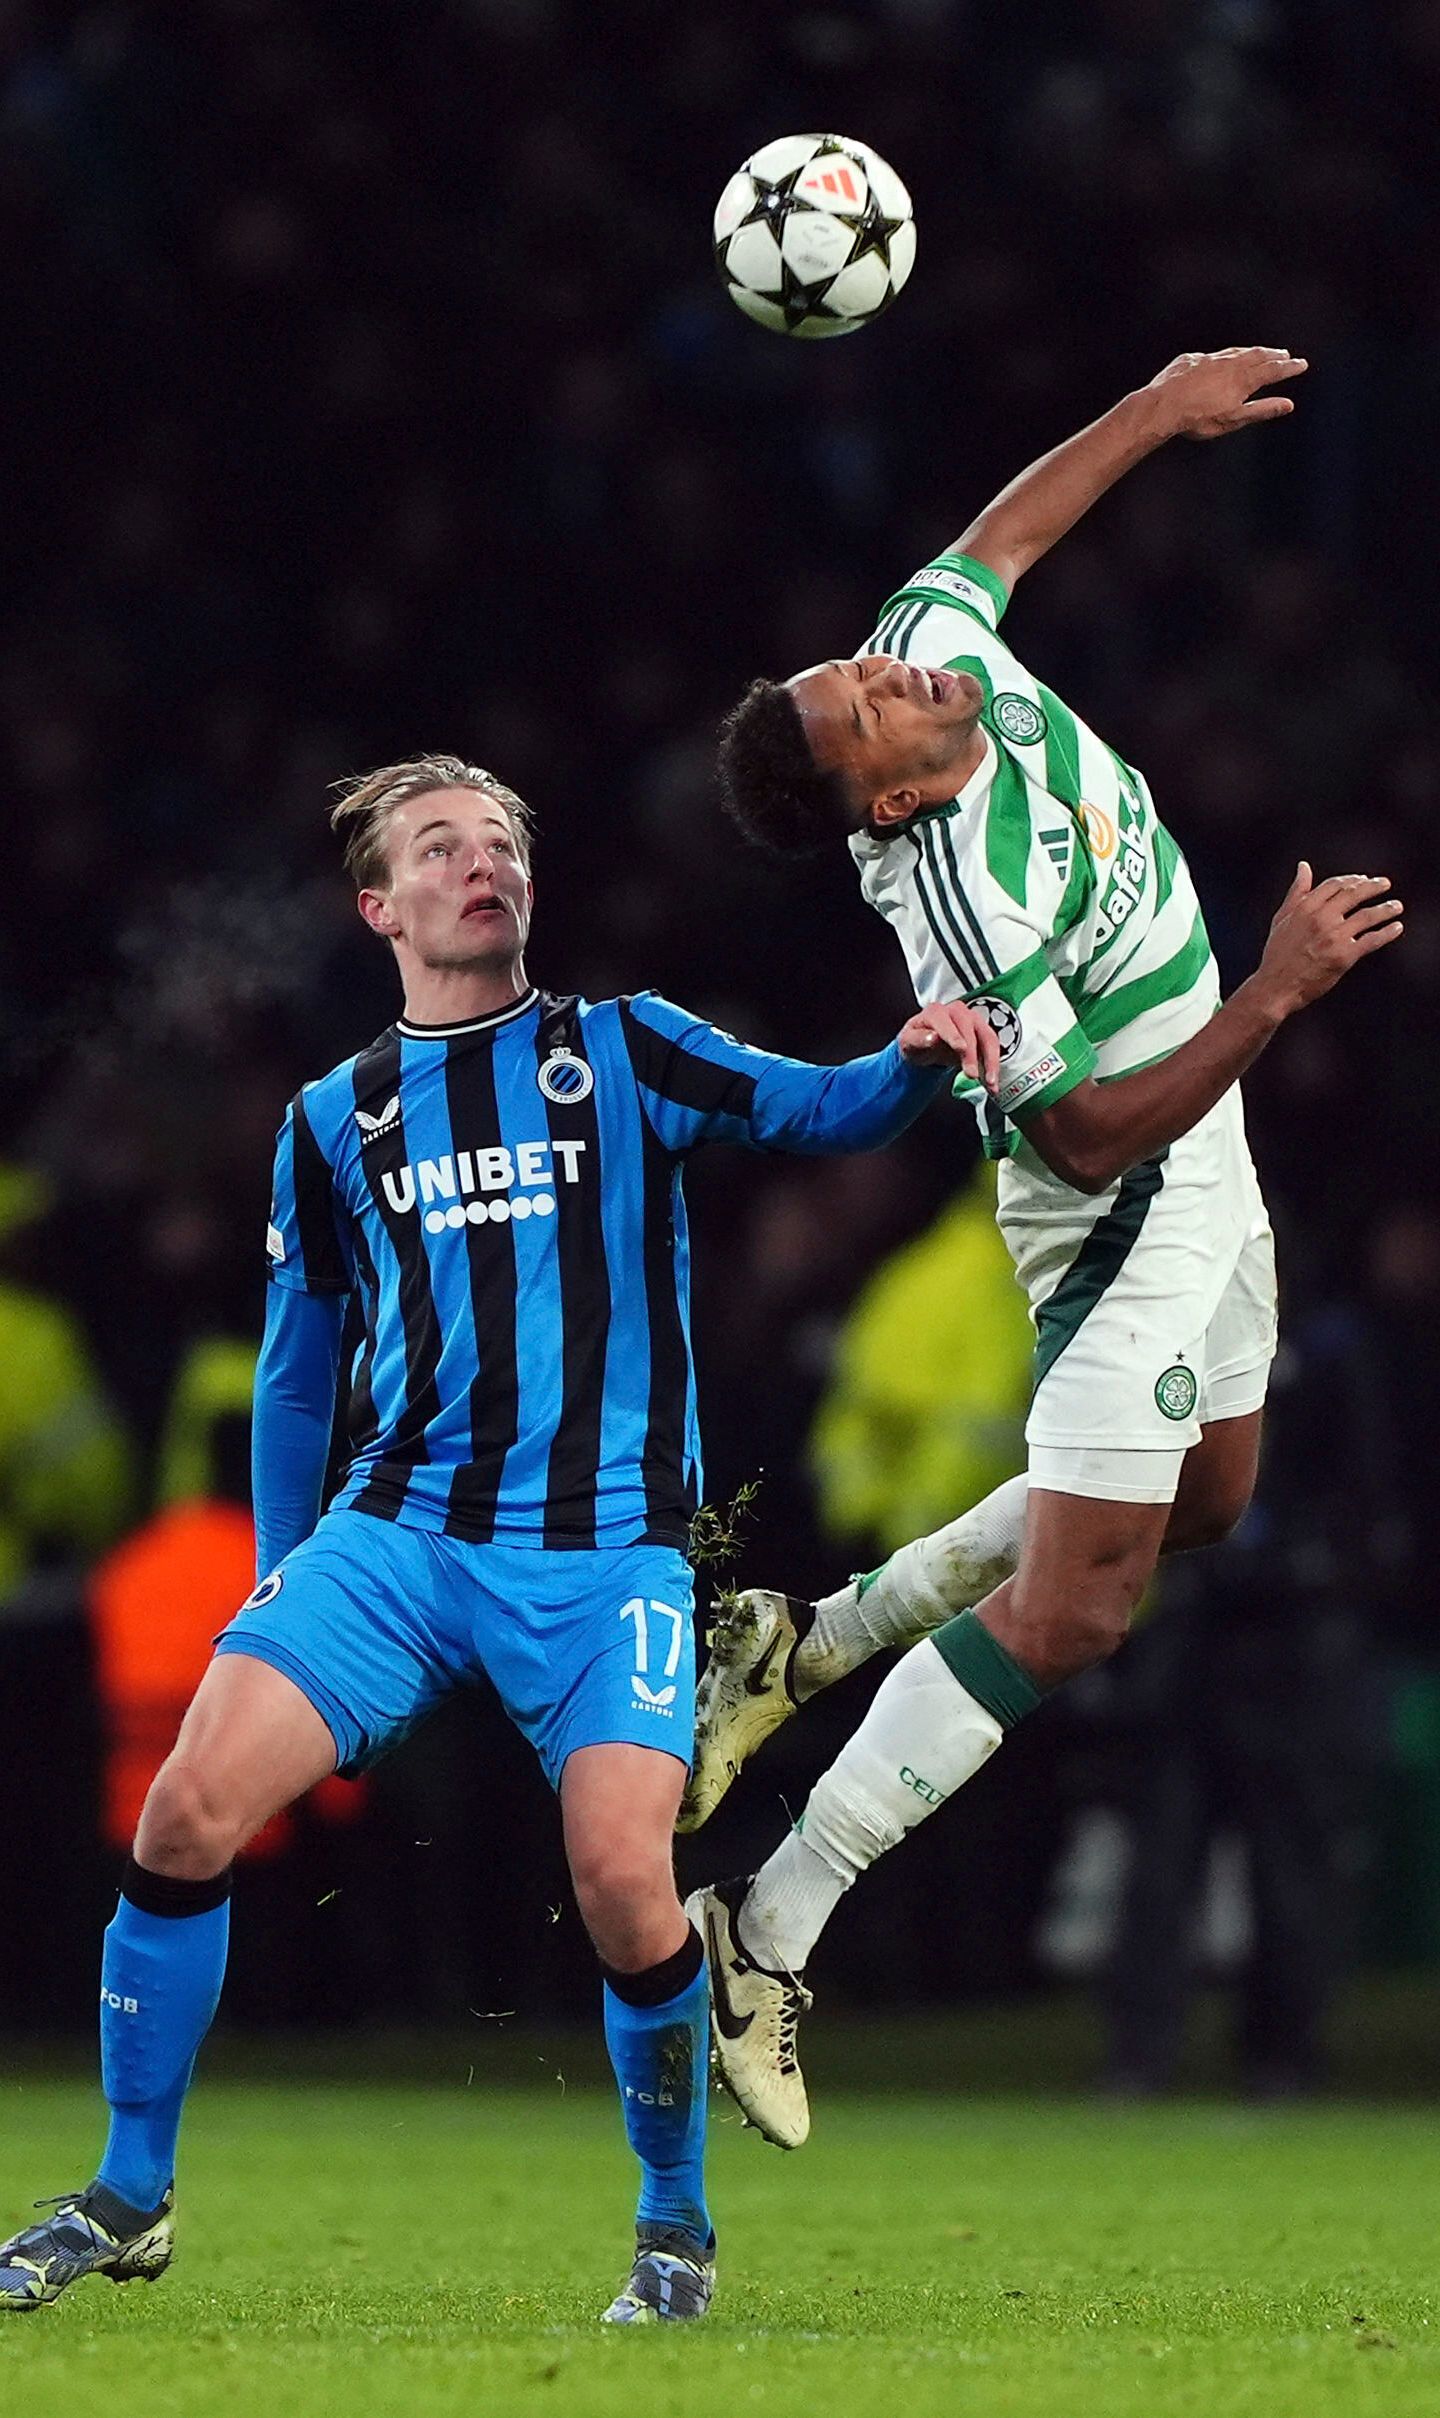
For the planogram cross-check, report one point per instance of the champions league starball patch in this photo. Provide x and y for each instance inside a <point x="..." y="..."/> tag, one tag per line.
<point x="1004" y="1023"/>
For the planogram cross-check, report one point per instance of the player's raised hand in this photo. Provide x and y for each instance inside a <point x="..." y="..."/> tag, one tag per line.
<point x="951" y="1034"/>
<point x="1212" y="394"/>
<point x="1323" y="929"/>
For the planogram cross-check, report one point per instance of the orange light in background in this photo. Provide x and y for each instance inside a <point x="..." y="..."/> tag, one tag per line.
<point x="156" y="1604"/>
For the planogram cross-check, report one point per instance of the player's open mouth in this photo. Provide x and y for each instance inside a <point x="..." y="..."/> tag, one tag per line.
<point x="935" y="688"/>
<point x="483" y="906"/>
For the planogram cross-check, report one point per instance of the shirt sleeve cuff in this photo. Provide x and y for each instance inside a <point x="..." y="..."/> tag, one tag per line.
<point x="981" y="573"/>
<point x="294" y="1280"/>
<point x="1058" y="1071"/>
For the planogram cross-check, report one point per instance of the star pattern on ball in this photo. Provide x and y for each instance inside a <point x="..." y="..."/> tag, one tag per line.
<point x="799" y="301"/>
<point x="803" y="298"/>
<point x="770" y="203"/>
<point x="876" y="233"/>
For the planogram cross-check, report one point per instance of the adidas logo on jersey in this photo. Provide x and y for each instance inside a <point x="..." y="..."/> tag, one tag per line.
<point x="371" y="1128"/>
<point x="469" y="1187"/>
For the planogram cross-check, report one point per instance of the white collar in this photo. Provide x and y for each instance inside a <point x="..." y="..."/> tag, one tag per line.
<point x="472" y="1024"/>
<point x="864" y="846"/>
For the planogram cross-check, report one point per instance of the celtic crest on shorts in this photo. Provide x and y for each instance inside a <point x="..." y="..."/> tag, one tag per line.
<point x="1175" y="1392"/>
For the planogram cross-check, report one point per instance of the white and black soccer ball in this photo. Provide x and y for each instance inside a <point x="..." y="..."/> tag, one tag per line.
<point x="814" y="236"/>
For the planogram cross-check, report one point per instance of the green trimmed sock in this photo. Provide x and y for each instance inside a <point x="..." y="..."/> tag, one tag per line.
<point x="927" y="1733"/>
<point x="992" y="1675"/>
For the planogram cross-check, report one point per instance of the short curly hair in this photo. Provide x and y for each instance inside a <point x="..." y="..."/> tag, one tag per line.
<point x="770" y="782"/>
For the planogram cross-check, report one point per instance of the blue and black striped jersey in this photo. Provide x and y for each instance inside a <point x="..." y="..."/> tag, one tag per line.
<point x="504" y="1197"/>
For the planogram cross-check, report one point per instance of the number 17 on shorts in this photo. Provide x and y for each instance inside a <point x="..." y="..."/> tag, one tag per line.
<point x="660" y="1633"/>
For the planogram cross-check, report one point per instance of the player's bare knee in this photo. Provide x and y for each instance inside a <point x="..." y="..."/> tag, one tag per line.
<point x="625" y="1891"/>
<point x="1071" y="1630"/>
<point x="1093" y="1631"/>
<point x="184" y="1830"/>
<point x="615" y="1873"/>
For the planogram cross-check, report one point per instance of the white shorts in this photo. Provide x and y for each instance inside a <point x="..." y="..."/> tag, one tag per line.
<point x="1154" y="1309"/>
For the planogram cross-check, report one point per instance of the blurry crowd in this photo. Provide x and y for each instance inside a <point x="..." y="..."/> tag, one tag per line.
<point x="371" y="390"/>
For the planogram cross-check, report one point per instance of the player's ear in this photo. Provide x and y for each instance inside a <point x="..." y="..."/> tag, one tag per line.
<point x="378" y="912"/>
<point x="895" y="808"/>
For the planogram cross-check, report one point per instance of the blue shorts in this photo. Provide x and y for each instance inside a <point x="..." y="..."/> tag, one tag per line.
<point x="376" y="1624"/>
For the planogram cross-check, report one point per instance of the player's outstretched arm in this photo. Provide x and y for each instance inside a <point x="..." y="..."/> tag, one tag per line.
<point x="1098" y="1130"/>
<point x="698" y="1084"/>
<point x="868" y="1102"/>
<point x="294" y="1411"/>
<point x="1199" y="395"/>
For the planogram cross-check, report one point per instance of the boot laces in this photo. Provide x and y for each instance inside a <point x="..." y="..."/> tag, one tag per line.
<point x="796" y="2002"/>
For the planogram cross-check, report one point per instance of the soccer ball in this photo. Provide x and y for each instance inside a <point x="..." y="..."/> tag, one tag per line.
<point x="814" y="235"/>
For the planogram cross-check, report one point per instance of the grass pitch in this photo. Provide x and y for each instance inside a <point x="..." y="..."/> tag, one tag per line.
<point x="408" y="2252"/>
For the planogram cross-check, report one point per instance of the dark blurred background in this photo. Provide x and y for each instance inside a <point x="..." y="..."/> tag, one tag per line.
<point x="369" y="389"/>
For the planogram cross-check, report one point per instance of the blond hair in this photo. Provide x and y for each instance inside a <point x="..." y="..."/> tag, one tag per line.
<point x="363" y="808"/>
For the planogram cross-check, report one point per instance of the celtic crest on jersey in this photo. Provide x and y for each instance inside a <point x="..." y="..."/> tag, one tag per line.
<point x="1018" y="718"/>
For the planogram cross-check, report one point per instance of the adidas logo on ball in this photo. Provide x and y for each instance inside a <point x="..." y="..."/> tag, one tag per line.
<point x="814" y="236"/>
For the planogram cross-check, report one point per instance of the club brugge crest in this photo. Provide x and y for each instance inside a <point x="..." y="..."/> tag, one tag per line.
<point x="564" y="1078"/>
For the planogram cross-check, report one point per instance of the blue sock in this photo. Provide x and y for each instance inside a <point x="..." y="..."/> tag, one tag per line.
<point x="656" y="2029"/>
<point x="159" y="1987"/>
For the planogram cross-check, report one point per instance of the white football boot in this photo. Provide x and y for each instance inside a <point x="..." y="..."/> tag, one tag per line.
<point x="753" y="2015"/>
<point x="746" y="1691"/>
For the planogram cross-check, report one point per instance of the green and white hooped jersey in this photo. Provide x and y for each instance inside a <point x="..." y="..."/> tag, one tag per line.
<point x="1049" y="890"/>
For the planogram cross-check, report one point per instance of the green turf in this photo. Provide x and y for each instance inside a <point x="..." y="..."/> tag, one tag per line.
<point x="408" y="2251"/>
